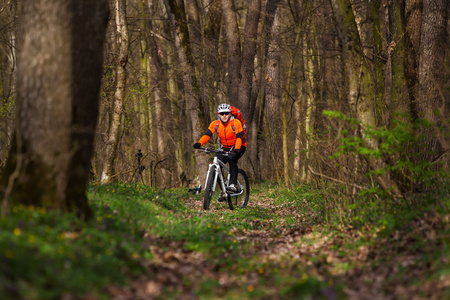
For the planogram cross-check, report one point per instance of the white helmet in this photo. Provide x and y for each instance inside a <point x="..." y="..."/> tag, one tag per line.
<point x="223" y="108"/>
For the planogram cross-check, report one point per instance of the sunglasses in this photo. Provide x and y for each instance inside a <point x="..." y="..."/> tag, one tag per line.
<point x="224" y="113"/>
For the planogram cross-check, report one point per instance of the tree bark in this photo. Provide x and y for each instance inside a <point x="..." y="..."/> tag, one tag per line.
<point x="181" y="42"/>
<point x="8" y="67"/>
<point x="144" y="67"/>
<point x="285" y="110"/>
<point x="412" y="18"/>
<point x="119" y="96"/>
<point x="241" y="67"/>
<point x="59" y="74"/>
<point x="391" y="31"/>
<point x="244" y="102"/>
<point x="180" y="166"/>
<point x="233" y="47"/>
<point x="432" y="76"/>
<point x="309" y="102"/>
<point x="273" y="116"/>
<point x="158" y="88"/>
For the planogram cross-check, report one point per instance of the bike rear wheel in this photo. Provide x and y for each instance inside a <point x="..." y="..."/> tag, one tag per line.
<point x="241" y="201"/>
<point x="209" y="189"/>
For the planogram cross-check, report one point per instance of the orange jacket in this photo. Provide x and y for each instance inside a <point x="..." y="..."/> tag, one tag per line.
<point x="227" y="136"/>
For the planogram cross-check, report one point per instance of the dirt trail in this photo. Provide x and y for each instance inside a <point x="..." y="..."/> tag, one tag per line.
<point x="378" y="271"/>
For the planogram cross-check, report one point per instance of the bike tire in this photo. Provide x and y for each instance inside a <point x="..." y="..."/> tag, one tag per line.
<point x="209" y="189"/>
<point x="241" y="201"/>
<point x="230" y="202"/>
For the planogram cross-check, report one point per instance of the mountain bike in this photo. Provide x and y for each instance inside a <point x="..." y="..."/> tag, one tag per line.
<point x="216" y="177"/>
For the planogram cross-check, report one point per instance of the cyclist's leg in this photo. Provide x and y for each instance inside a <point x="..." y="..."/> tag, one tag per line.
<point x="233" y="162"/>
<point x="233" y="170"/>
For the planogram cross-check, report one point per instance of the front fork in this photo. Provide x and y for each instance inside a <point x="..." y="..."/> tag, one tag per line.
<point x="221" y="181"/>
<point x="216" y="176"/>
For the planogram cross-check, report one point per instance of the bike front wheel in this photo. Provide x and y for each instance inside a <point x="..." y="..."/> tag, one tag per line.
<point x="244" y="186"/>
<point x="209" y="188"/>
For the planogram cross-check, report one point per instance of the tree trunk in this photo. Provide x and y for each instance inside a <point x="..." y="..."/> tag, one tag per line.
<point x="119" y="96"/>
<point x="245" y="103"/>
<point x="300" y="11"/>
<point x="241" y="65"/>
<point x="59" y="75"/>
<point x="7" y="83"/>
<point x="180" y="165"/>
<point x="412" y="23"/>
<point x="144" y="129"/>
<point x="309" y="102"/>
<point x="432" y="76"/>
<point x="233" y="47"/>
<point x="158" y="86"/>
<point x="285" y="110"/>
<point x="199" y="52"/>
<point x="391" y="32"/>
<point x="273" y="88"/>
<point x="248" y="88"/>
<point x="181" y="42"/>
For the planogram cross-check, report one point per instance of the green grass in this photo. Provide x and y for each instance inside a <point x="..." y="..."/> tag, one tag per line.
<point x="45" y="255"/>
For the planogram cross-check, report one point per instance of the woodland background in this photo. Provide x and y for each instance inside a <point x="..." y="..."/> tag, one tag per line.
<point x="346" y="104"/>
<point x="380" y="69"/>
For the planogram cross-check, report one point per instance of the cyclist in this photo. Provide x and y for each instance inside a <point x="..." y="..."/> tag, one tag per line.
<point x="231" y="134"/>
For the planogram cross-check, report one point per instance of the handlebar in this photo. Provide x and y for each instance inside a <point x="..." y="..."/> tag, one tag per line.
<point x="207" y="150"/>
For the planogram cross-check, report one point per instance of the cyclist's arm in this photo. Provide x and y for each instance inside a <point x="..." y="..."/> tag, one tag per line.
<point x="208" y="134"/>
<point x="239" y="134"/>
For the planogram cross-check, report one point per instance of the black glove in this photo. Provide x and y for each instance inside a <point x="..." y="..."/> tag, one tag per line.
<point x="197" y="145"/>
<point x="237" y="151"/>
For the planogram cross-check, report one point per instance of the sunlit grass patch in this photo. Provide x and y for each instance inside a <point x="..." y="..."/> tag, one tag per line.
<point x="44" y="254"/>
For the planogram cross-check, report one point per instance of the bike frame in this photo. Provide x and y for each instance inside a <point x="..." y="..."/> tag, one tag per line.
<point x="216" y="164"/>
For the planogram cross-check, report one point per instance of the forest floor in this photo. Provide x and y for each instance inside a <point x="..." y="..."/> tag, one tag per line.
<point x="281" y="256"/>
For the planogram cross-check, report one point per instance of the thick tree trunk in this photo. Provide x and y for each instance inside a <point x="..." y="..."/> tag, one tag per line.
<point x="245" y="103"/>
<point x="59" y="75"/>
<point x="273" y="117"/>
<point x="234" y="49"/>
<point x="180" y="177"/>
<point x="199" y="52"/>
<point x="432" y="76"/>
<point x="119" y="96"/>
<point x="7" y="86"/>
<point x="412" y="23"/>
